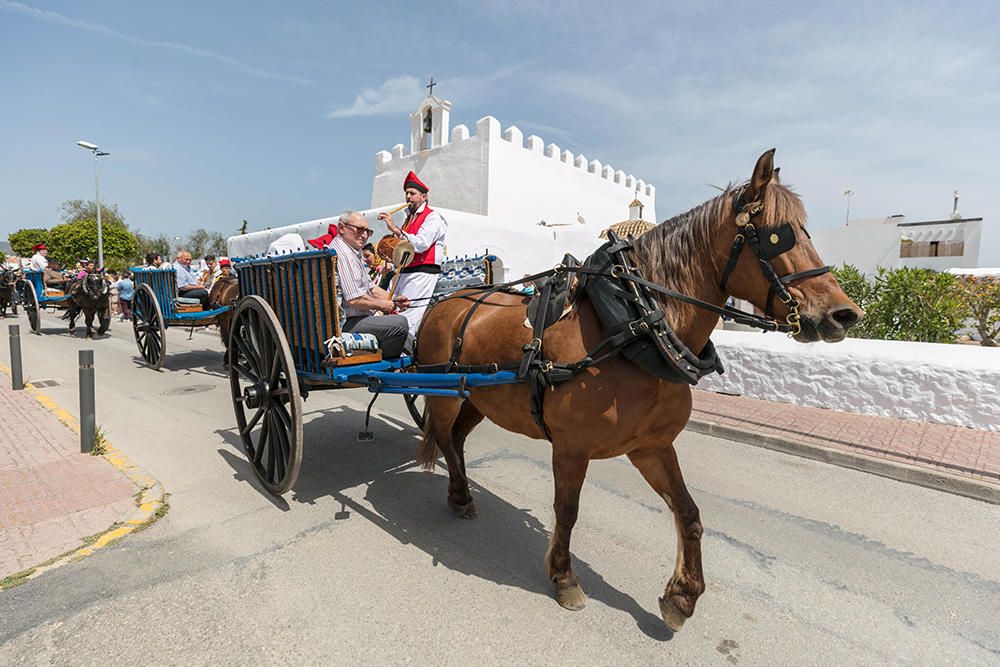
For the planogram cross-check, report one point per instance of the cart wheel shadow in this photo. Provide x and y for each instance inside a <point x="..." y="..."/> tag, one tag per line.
<point x="199" y="362"/>
<point x="505" y="545"/>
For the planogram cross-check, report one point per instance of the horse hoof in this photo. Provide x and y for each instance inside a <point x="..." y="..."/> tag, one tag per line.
<point x="571" y="597"/>
<point x="466" y="511"/>
<point x="672" y="616"/>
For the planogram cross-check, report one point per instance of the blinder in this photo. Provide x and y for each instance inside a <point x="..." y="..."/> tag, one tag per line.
<point x="779" y="240"/>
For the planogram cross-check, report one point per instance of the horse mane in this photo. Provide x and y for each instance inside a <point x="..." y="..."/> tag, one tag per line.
<point x="678" y="252"/>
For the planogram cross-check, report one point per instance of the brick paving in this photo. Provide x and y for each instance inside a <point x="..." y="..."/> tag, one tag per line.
<point x="51" y="495"/>
<point x="965" y="452"/>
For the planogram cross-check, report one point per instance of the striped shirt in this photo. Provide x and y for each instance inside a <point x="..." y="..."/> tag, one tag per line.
<point x="352" y="276"/>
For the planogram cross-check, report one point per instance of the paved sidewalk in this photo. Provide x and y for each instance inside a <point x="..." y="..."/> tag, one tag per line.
<point x="952" y="458"/>
<point x="52" y="497"/>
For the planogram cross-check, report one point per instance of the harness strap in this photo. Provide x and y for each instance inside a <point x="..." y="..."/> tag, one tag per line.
<point x="734" y="256"/>
<point x="456" y="348"/>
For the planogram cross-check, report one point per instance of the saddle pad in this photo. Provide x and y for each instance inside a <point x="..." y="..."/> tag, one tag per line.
<point x="615" y="306"/>
<point x="52" y="291"/>
<point x="188" y="308"/>
<point x="185" y="300"/>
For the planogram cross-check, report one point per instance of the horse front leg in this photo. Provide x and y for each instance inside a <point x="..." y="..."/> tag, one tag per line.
<point x="104" y="317"/>
<point x="569" y="471"/>
<point x="88" y="318"/>
<point x="662" y="471"/>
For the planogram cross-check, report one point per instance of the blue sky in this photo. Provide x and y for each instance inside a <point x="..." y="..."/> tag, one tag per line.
<point x="216" y="112"/>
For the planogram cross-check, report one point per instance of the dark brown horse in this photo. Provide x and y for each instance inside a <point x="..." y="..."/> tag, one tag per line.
<point x="616" y="408"/>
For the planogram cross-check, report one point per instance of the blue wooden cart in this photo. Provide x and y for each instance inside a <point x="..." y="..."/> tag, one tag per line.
<point x="156" y="308"/>
<point x="287" y="309"/>
<point x="35" y="297"/>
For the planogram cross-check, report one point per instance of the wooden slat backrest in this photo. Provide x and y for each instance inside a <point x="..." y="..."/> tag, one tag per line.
<point x="302" y="291"/>
<point x="163" y="282"/>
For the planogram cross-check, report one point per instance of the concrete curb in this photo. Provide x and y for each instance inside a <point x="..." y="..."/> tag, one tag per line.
<point x="150" y="499"/>
<point x="897" y="470"/>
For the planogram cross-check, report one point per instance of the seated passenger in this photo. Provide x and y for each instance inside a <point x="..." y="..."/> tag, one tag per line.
<point x="188" y="284"/>
<point x="362" y="300"/>
<point x="53" y="276"/>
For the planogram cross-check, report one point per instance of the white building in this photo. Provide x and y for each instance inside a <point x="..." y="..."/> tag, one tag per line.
<point x="893" y="243"/>
<point x="520" y="199"/>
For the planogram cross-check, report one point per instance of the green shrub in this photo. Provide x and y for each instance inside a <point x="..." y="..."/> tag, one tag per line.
<point x="980" y="298"/>
<point x="905" y="304"/>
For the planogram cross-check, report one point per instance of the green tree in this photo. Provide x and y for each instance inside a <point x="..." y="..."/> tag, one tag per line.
<point x="147" y="244"/>
<point x="980" y="298"/>
<point x="201" y="242"/>
<point x="23" y="240"/>
<point x="70" y="241"/>
<point x="74" y="210"/>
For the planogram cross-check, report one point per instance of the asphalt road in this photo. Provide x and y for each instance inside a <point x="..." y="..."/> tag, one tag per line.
<point x="362" y="561"/>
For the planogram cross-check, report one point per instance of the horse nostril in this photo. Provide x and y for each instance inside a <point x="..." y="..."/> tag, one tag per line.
<point x="845" y="316"/>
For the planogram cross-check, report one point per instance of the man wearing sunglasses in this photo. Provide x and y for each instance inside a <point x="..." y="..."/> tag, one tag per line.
<point x="361" y="299"/>
<point x="425" y="229"/>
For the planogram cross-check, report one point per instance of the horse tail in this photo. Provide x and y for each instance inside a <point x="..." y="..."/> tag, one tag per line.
<point x="428" y="452"/>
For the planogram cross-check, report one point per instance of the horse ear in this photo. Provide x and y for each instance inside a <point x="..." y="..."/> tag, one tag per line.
<point x="763" y="172"/>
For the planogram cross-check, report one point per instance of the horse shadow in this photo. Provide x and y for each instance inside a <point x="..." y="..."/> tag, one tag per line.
<point x="506" y="545"/>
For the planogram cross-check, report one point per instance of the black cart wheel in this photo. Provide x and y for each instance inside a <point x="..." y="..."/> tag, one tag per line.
<point x="147" y="327"/>
<point x="30" y="302"/>
<point x="415" y="406"/>
<point x="265" y="390"/>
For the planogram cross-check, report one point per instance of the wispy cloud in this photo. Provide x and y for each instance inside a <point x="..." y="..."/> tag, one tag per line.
<point x="54" y="17"/>
<point x="397" y="95"/>
<point x="401" y="94"/>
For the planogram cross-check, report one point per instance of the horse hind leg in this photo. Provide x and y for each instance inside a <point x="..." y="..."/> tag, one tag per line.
<point x="459" y="496"/>
<point x="662" y="471"/>
<point x="568" y="473"/>
<point x="442" y="420"/>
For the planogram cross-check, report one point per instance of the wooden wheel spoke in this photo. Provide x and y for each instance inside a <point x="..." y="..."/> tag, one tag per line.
<point x="283" y="447"/>
<point x="265" y="432"/>
<point x="246" y="372"/>
<point x="271" y="453"/>
<point x="253" y="421"/>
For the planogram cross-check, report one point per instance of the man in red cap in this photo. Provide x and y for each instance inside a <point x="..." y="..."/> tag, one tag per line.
<point x="425" y="229"/>
<point x="39" y="261"/>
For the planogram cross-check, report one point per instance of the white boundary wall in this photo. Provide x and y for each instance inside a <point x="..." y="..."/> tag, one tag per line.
<point x="957" y="385"/>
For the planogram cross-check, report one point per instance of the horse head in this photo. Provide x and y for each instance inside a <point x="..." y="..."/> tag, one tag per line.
<point x="773" y="264"/>
<point x="95" y="286"/>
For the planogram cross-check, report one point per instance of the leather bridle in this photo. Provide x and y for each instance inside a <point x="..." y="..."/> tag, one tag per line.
<point x="780" y="240"/>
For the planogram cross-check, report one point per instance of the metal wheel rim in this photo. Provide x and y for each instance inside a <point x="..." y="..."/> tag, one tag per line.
<point x="265" y="392"/>
<point x="415" y="408"/>
<point x="31" y="306"/>
<point x="147" y="327"/>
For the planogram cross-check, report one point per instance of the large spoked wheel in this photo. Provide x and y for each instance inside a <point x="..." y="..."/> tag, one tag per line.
<point x="265" y="390"/>
<point x="147" y="327"/>
<point x="415" y="406"/>
<point x="30" y="302"/>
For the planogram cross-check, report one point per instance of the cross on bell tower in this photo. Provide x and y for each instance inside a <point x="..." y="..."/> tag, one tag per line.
<point x="430" y="86"/>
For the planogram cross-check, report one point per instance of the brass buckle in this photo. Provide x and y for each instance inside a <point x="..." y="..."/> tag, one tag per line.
<point x="643" y="326"/>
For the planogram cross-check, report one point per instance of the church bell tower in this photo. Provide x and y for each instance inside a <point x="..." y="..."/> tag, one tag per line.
<point x="429" y="124"/>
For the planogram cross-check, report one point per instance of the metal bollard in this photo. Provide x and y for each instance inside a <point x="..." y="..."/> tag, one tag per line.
<point x="88" y="420"/>
<point x="16" y="376"/>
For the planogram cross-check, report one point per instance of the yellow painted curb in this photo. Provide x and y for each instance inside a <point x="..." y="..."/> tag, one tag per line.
<point x="150" y="500"/>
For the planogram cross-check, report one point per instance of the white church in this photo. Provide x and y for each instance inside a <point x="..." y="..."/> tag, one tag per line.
<point x="524" y="201"/>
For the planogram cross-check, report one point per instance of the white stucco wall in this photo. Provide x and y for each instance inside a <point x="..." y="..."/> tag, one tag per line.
<point x="957" y="385"/>
<point x="507" y="176"/>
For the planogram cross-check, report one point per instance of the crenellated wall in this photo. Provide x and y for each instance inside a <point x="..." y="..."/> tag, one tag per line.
<point x="499" y="173"/>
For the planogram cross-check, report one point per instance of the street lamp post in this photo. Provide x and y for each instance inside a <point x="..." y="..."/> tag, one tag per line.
<point x="849" y="192"/>
<point x="97" y="192"/>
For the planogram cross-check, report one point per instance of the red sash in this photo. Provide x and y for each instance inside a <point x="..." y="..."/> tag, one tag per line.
<point x="412" y="226"/>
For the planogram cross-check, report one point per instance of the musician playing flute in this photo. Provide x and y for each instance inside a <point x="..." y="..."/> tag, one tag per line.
<point x="425" y="228"/>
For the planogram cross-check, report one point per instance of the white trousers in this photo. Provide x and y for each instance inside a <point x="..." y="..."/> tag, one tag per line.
<point x="415" y="286"/>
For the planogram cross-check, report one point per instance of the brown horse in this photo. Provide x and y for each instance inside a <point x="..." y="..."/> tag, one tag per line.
<point x="615" y="407"/>
<point x="224" y="292"/>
